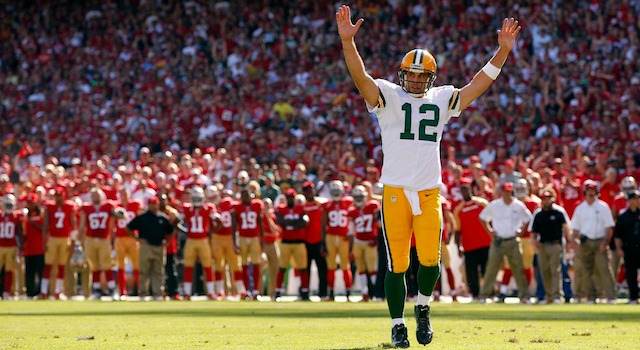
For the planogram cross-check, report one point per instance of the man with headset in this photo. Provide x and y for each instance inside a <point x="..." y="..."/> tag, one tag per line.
<point x="592" y="227"/>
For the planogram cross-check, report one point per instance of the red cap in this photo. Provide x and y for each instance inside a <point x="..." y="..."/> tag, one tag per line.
<point x="507" y="186"/>
<point x="290" y="192"/>
<point x="32" y="197"/>
<point x="465" y="181"/>
<point x="153" y="200"/>
<point x="308" y="184"/>
<point x="60" y="190"/>
<point x="509" y="162"/>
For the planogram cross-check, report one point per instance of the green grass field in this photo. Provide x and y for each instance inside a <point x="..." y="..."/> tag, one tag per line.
<point x="256" y="325"/>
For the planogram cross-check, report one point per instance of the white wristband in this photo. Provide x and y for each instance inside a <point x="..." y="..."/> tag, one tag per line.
<point x="491" y="70"/>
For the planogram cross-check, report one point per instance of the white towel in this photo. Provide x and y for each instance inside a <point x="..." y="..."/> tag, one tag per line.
<point x="414" y="201"/>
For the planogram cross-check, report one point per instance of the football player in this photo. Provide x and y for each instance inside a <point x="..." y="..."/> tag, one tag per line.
<point x="627" y="185"/>
<point x="200" y="220"/>
<point x="315" y="245"/>
<point x="125" y="245"/>
<point x="248" y="216"/>
<point x="365" y="216"/>
<point x="412" y="117"/>
<point x="59" y="223"/>
<point x="96" y="223"/>
<point x="224" y="248"/>
<point x="293" y="221"/>
<point x="335" y="229"/>
<point x="10" y="234"/>
<point x="448" y="228"/>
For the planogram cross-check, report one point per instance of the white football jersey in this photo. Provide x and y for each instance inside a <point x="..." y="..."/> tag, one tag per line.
<point x="411" y="131"/>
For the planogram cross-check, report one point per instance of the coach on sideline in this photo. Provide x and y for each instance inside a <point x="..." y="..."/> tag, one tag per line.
<point x="154" y="231"/>
<point x="627" y="237"/>
<point x="505" y="219"/>
<point x="549" y="224"/>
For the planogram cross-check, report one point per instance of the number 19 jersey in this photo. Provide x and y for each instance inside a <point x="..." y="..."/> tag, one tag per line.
<point x="411" y="130"/>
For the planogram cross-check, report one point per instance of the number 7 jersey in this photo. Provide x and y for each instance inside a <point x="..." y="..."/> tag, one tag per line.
<point x="411" y="131"/>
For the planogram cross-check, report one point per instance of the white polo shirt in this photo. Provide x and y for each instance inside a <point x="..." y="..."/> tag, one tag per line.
<point x="592" y="220"/>
<point x="506" y="219"/>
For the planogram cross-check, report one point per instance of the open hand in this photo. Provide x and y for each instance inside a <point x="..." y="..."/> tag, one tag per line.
<point x="507" y="35"/>
<point x="346" y="28"/>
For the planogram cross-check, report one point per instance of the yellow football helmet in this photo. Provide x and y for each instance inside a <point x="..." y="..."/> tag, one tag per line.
<point x="419" y="61"/>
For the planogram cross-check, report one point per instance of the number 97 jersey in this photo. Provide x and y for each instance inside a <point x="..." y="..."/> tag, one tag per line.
<point x="411" y="131"/>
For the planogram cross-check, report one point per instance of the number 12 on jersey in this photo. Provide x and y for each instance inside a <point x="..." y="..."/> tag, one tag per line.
<point x="422" y="136"/>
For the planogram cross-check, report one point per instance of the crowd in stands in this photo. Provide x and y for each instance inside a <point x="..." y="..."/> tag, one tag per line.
<point x="158" y="97"/>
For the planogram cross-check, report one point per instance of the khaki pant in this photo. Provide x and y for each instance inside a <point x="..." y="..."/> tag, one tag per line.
<point x="152" y="259"/>
<point x="57" y="251"/>
<point x="444" y="255"/>
<point x="98" y="252"/>
<point x="590" y="264"/>
<point x="8" y="258"/>
<point x="295" y="251"/>
<point x="549" y="256"/>
<point x="365" y="256"/>
<point x="527" y="254"/>
<point x="223" y="252"/>
<point x="337" y="246"/>
<point x="127" y="247"/>
<point x="512" y="250"/>
<point x="272" y="250"/>
<point x="250" y="250"/>
<point x="197" y="249"/>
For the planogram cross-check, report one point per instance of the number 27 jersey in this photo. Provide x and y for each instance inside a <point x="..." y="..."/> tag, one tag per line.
<point x="411" y="130"/>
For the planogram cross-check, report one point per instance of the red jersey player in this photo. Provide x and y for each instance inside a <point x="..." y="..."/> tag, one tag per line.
<point x="293" y="220"/>
<point x="365" y="215"/>
<point x="10" y="230"/>
<point x="248" y="214"/>
<point x="200" y="220"/>
<point x="59" y="222"/>
<point x="335" y="229"/>
<point x="125" y="245"/>
<point x="224" y="249"/>
<point x="96" y="224"/>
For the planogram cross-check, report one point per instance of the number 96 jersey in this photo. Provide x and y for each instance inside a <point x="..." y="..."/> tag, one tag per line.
<point x="337" y="216"/>
<point x="411" y="131"/>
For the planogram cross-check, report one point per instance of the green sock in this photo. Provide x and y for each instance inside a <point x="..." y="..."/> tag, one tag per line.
<point x="427" y="278"/>
<point x="396" y="291"/>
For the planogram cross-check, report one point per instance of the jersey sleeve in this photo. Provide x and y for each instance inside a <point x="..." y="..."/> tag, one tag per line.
<point x="453" y="109"/>
<point x="386" y="91"/>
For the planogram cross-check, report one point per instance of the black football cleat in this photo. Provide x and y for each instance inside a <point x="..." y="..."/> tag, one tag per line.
<point x="399" y="337"/>
<point x="424" y="332"/>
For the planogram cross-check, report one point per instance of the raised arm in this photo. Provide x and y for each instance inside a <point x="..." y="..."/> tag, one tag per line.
<point x="347" y="30"/>
<point x="483" y="79"/>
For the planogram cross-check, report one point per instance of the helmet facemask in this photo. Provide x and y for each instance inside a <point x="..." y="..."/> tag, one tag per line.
<point x="423" y="88"/>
